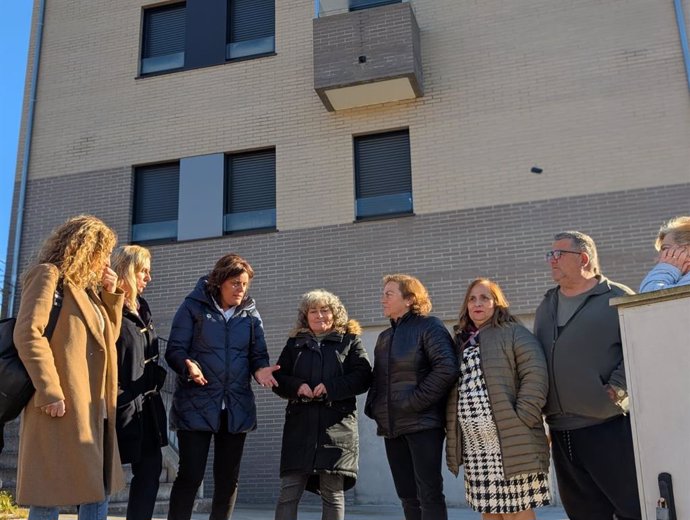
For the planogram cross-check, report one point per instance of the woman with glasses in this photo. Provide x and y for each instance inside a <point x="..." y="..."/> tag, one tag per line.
<point x="324" y="368"/>
<point x="216" y="345"/>
<point x="673" y="264"/>
<point x="141" y="421"/>
<point x="414" y="367"/>
<point x="493" y="416"/>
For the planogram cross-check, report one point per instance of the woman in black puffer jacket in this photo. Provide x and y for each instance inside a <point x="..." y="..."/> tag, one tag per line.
<point x="415" y="365"/>
<point x="323" y="367"/>
<point x="216" y="345"/>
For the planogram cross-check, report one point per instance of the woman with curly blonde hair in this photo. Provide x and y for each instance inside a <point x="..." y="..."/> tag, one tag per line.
<point x="414" y="367"/>
<point x="67" y="447"/>
<point x="673" y="264"/>
<point x="323" y="367"/>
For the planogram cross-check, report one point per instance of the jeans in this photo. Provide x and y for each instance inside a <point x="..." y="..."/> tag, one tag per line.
<point x="91" y="511"/>
<point x="332" y="496"/>
<point x="595" y="469"/>
<point x="415" y="462"/>
<point x="194" y="448"/>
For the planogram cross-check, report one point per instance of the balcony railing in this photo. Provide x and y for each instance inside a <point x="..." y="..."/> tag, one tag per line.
<point x="330" y="7"/>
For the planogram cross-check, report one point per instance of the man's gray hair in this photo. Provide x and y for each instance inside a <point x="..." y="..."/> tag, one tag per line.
<point x="585" y="244"/>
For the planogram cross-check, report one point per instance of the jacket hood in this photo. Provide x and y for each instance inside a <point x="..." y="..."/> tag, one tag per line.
<point x="201" y="294"/>
<point x="351" y="327"/>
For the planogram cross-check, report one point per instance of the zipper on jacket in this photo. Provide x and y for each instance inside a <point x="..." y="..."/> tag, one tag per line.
<point x="388" y="383"/>
<point x="556" y="335"/>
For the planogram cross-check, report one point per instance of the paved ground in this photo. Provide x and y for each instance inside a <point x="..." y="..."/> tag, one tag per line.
<point x="354" y="513"/>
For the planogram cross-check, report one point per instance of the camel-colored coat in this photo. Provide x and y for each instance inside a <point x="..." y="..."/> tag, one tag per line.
<point x="65" y="460"/>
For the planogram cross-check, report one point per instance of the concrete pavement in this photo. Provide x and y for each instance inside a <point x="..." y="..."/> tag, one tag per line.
<point x="352" y="513"/>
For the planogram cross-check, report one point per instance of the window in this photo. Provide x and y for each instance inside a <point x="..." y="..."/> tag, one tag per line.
<point x="163" y="40"/>
<point x="156" y="193"/>
<point x="250" y="191"/>
<point x="383" y="175"/>
<point x="251" y="28"/>
<point x="356" y="5"/>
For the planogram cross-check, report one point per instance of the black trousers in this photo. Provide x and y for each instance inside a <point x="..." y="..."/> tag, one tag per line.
<point x="415" y="462"/>
<point x="595" y="469"/>
<point x="146" y="472"/>
<point x="144" y="486"/>
<point x="194" y="448"/>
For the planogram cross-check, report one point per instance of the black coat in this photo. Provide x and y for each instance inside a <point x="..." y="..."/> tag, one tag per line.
<point x="415" y="364"/>
<point x="140" y="421"/>
<point x="229" y="353"/>
<point x="321" y="435"/>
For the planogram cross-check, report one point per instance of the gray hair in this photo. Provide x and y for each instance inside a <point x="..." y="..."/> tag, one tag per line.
<point x="315" y="298"/>
<point x="585" y="244"/>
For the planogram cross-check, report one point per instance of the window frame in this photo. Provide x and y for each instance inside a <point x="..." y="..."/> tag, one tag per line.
<point x="262" y="213"/>
<point x="153" y="232"/>
<point x="403" y="201"/>
<point x="158" y="69"/>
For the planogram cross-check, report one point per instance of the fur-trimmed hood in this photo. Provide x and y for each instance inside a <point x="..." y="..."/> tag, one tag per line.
<point x="351" y="327"/>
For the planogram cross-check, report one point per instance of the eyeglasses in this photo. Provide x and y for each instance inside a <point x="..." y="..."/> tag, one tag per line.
<point x="556" y="254"/>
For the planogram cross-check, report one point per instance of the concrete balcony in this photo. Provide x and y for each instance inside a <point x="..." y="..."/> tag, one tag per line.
<point x="367" y="56"/>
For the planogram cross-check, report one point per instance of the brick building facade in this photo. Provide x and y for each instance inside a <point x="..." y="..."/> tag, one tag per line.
<point x="593" y="92"/>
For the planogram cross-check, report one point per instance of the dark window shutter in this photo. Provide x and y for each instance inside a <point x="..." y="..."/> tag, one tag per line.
<point x="250" y="19"/>
<point x="250" y="181"/>
<point x="156" y="193"/>
<point x="382" y="164"/>
<point x="164" y="31"/>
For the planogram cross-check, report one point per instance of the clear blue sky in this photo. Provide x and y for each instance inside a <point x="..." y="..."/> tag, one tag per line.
<point x="14" y="42"/>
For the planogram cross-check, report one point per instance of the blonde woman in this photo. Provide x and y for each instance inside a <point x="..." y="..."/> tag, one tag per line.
<point x="673" y="265"/>
<point x="493" y="416"/>
<point x="67" y="447"/>
<point x="414" y="367"/>
<point x="323" y="368"/>
<point x="141" y="421"/>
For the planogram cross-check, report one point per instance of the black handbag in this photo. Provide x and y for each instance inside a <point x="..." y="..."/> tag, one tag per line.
<point x="16" y="388"/>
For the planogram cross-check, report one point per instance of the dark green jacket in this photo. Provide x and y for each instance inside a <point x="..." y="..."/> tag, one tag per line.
<point x="516" y="379"/>
<point x="584" y="357"/>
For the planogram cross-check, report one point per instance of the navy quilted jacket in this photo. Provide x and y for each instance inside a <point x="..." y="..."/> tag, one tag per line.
<point x="228" y="353"/>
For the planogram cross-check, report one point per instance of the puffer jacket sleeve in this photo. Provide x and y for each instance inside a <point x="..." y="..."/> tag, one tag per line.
<point x="288" y="383"/>
<point x="180" y="339"/>
<point x="440" y="351"/>
<point x="356" y="376"/>
<point x="258" y="352"/>
<point x="532" y="377"/>
<point x="664" y="276"/>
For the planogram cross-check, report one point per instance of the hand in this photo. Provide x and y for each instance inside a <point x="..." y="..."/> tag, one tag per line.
<point x="305" y="391"/>
<point x="109" y="279"/>
<point x="195" y="373"/>
<point x="264" y="376"/>
<point x="320" y="390"/>
<point x="56" y="409"/>
<point x="676" y="256"/>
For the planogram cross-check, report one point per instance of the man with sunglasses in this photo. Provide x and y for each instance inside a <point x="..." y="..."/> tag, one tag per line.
<point x="587" y="401"/>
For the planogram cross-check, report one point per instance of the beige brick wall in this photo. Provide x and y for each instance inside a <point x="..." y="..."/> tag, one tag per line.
<point x="593" y="91"/>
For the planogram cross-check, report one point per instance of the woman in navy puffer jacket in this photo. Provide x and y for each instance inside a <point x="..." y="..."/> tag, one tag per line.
<point x="216" y="344"/>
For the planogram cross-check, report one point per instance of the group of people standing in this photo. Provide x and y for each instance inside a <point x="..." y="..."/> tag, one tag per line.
<point x="486" y="388"/>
